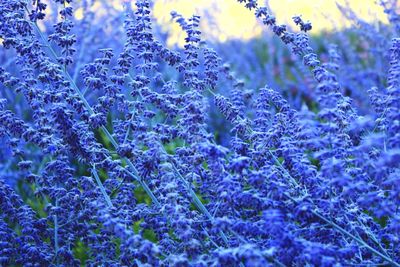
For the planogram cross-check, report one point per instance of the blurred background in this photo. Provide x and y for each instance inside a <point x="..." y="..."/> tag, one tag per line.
<point x="223" y="20"/>
<point x="226" y="19"/>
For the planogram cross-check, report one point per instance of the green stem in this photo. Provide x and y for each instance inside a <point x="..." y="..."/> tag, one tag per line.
<point x="323" y="218"/>
<point x="103" y="128"/>
<point x="101" y="186"/>
<point x="358" y="240"/>
<point x="56" y="245"/>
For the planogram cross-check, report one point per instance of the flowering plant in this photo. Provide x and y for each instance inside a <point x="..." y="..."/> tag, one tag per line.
<point x="130" y="153"/>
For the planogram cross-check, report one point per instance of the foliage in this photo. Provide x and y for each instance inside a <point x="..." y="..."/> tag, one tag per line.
<point x="120" y="151"/>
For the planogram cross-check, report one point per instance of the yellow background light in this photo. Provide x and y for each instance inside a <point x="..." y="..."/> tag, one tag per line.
<point x="227" y="19"/>
<point x="223" y="20"/>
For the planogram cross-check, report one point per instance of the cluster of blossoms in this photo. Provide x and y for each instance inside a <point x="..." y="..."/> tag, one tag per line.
<point x="119" y="163"/>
